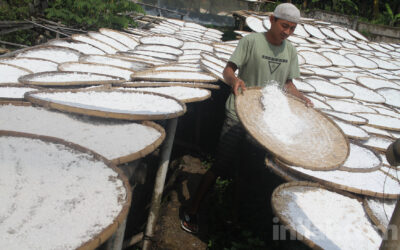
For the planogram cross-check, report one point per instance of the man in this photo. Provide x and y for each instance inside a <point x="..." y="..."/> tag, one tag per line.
<point x="260" y="58"/>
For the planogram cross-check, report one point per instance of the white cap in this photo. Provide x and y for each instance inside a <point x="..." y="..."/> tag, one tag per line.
<point x="288" y="12"/>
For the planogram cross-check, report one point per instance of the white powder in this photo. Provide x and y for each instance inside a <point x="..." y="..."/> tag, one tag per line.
<point x="326" y="88"/>
<point x="103" y="46"/>
<point x="392" y="96"/>
<point x="303" y="86"/>
<point x="255" y="24"/>
<point x="344" y="34"/>
<point x="348" y="107"/>
<point x="160" y="48"/>
<point x="97" y="68"/>
<point x="10" y="74"/>
<point x="116" y="102"/>
<point x="374" y="182"/>
<point x="54" y="197"/>
<point x="278" y="117"/>
<point x="351" y="130"/>
<point x="324" y="72"/>
<point x="176" y="75"/>
<point x="80" y="46"/>
<point x="364" y="94"/>
<point x="121" y="37"/>
<point x="318" y="104"/>
<point x="329" y="219"/>
<point x="361" y="61"/>
<point x="32" y="64"/>
<point x="382" y="121"/>
<point x="330" y="33"/>
<point x="162" y="40"/>
<point x="114" y="61"/>
<point x="382" y="209"/>
<point x="155" y="54"/>
<point x="376" y="83"/>
<point x="108" y="40"/>
<point x="314" y="58"/>
<point x="214" y="60"/>
<point x="338" y="59"/>
<point x="373" y="130"/>
<point x="361" y="157"/>
<point x="380" y="143"/>
<point x="197" y="45"/>
<point x="180" y="93"/>
<point x="110" y="138"/>
<point x="68" y="77"/>
<point x="347" y="117"/>
<point x="177" y="67"/>
<point x="314" y="31"/>
<point x="383" y="64"/>
<point x="14" y="92"/>
<point x="52" y="54"/>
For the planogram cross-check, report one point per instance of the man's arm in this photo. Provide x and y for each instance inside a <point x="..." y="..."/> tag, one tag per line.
<point x="291" y="89"/>
<point x="230" y="78"/>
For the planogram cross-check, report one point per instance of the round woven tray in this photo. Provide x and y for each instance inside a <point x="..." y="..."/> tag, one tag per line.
<point x="124" y="158"/>
<point x="301" y="152"/>
<point x="27" y="79"/>
<point x="279" y="205"/>
<point x="149" y="76"/>
<point x="363" y="170"/>
<point x="16" y="85"/>
<point x="107" y="232"/>
<point x="187" y="100"/>
<point x="100" y="113"/>
<point x="378" y="223"/>
<point x="335" y="185"/>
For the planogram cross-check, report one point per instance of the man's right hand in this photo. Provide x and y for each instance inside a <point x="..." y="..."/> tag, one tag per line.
<point x="237" y="86"/>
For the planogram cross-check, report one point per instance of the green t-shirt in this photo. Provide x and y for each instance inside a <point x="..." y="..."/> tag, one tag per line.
<point x="259" y="62"/>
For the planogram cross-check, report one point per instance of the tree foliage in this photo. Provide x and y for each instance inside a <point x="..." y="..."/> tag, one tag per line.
<point x="92" y="14"/>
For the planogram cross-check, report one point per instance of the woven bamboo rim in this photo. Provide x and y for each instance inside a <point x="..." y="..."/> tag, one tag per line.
<point x="336" y="186"/>
<point x="276" y="204"/>
<point x="189" y="100"/>
<point x="146" y="76"/>
<point x="94" y="32"/>
<point x="74" y="37"/>
<point x="344" y="120"/>
<point x="279" y="172"/>
<point x="122" y="33"/>
<point x="15" y="85"/>
<point x="49" y="47"/>
<point x="139" y="47"/>
<point x="166" y="84"/>
<point x="389" y="174"/>
<point x="326" y="58"/>
<point x="165" y="56"/>
<point x="120" y="56"/>
<point x="26" y="79"/>
<point x="327" y="75"/>
<point x="61" y="66"/>
<point x="373" y="218"/>
<point x="381" y="126"/>
<point x="360" y="99"/>
<point x="161" y="36"/>
<point x="332" y="95"/>
<point x="107" y="232"/>
<point x="126" y="158"/>
<point x="381" y="150"/>
<point x="382" y="89"/>
<point x="174" y="64"/>
<point x="362" y="170"/>
<point x="151" y="61"/>
<point x="104" y="114"/>
<point x="18" y="67"/>
<point x="358" y="66"/>
<point x="249" y="109"/>
<point x="211" y="70"/>
<point x="353" y="136"/>
<point x="31" y="58"/>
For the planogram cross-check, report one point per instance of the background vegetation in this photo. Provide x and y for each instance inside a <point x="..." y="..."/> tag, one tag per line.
<point x="373" y="11"/>
<point x="82" y="14"/>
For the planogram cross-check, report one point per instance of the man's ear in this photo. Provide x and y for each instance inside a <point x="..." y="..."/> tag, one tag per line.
<point x="271" y="18"/>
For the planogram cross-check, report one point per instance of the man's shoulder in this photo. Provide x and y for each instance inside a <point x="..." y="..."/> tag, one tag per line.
<point x="289" y="45"/>
<point x="253" y="36"/>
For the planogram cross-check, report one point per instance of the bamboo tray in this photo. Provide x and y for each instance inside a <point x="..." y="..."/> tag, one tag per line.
<point x="70" y="177"/>
<point x="117" y="104"/>
<point x="118" y="141"/>
<point x="321" y="146"/>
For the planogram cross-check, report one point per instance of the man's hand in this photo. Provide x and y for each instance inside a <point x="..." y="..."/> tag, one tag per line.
<point x="238" y="85"/>
<point x="309" y="103"/>
<point x="230" y="78"/>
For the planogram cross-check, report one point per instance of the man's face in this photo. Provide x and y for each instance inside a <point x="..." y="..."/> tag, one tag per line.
<point x="282" y="29"/>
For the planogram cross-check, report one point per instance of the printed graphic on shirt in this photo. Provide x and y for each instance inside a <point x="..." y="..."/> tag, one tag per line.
<point x="274" y="63"/>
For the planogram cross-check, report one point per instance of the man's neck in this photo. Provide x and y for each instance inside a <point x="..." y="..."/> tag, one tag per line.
<point x="272" y="39"/>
